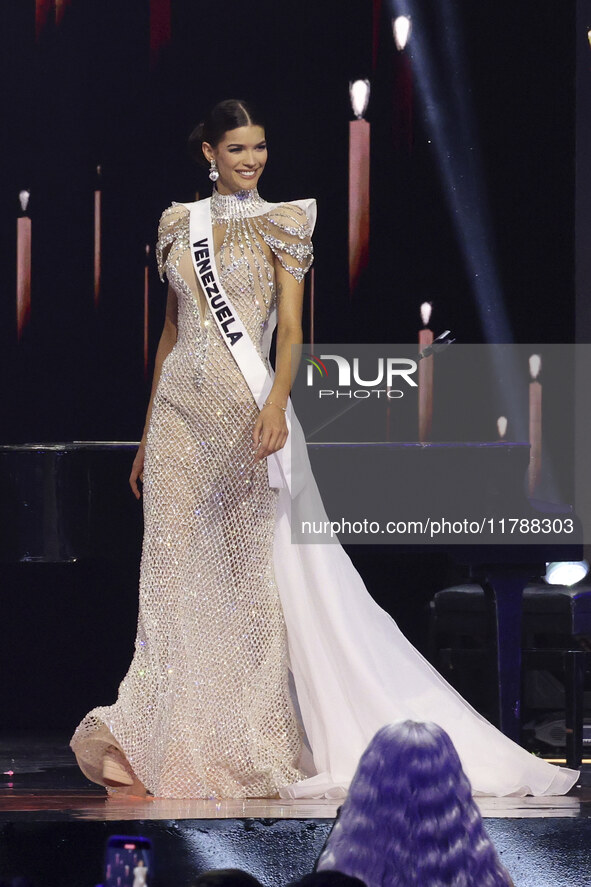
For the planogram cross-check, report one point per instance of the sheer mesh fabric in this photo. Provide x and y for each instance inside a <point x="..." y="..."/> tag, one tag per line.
<point x="205" y="710"/>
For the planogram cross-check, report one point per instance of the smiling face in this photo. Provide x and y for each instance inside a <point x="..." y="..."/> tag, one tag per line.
<point x="240" y="156"/>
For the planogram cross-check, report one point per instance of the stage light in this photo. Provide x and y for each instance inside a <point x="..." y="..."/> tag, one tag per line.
<point x="359" y="95"/>
<point x="24" y="197"/>
<point x="401" y="28"/>
<point x="566" y="572"/>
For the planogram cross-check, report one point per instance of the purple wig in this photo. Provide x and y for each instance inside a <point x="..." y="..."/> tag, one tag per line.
<point x="410" y="819"/>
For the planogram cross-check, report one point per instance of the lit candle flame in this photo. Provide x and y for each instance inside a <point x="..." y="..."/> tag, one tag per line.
<point x="359" y="94"/>
<point x="502" y="426"/>
<point x="535" y="365"/>
<point x="24" y="196"/>
<point x="426" y="309"/>
<point x="401" y="27"/>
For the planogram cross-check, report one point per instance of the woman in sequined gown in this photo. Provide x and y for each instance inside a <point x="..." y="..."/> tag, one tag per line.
<point x="205" y="708"/>
<point x="227" y="603"/>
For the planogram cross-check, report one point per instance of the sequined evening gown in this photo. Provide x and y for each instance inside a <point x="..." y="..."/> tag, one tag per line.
<point x="227" y="601"/>
<point x="205" y="708"/>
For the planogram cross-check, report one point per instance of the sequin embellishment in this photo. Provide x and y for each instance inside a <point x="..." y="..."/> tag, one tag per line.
<point x="204" y="710"/>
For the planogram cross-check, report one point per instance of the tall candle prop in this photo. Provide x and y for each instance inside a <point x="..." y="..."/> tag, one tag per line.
<point x="97" y="239"/>
<point x="146" y="308"/>
<point x="535" y="424"/>
<point x="388" y="414"/>
<point x="502" y="427"/>
<point x="42" y="10"/>
<point x="23" y="265"/>
<point x="425" y="376"/>
<point x="160" y="27"/>
<point x="359" y="140"/>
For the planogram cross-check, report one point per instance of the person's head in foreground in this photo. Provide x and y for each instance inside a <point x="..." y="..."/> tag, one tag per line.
<point x="226" y="878"/>
<point x="409" y="817"/>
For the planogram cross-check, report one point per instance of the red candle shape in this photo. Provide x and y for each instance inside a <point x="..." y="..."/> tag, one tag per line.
<point x="425" y="377"/>
<point x="97" y="241"/>
<point x="146" y="309"/>
<point x="42" y="10"/>
<point x="23" y="266"/>
<point x="388" y="412"/>
<point x="359" y="141"/>
<point x="535" y="424"/>
<point x="160" y="27"/>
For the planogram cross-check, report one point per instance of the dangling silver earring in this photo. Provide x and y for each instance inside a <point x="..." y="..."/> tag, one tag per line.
<point x="213" y="171"/>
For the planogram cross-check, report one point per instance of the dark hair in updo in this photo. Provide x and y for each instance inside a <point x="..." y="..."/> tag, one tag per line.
<point x="226" y="115"/>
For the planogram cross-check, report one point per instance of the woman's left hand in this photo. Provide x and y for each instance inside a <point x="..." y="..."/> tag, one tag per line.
<point x="270" y="431"/>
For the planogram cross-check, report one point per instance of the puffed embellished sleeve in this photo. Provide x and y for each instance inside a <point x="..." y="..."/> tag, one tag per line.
<point x="172" y="224"/>
<point x="287" y="230"/>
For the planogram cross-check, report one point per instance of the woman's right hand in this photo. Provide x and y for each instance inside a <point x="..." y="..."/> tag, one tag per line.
<point x="137" y="470"/>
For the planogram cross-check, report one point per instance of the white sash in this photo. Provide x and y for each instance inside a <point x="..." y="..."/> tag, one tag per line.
<point x="233" y="331"/>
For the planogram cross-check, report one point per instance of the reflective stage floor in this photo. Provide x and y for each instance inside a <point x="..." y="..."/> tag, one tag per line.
<point x="54" y="825"/>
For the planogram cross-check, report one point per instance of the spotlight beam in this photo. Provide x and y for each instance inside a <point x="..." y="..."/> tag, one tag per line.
<point x="452" y="134"/>
<point x="445" y="101"/>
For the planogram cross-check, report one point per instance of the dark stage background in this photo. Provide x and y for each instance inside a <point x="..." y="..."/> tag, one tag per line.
<point x="90" y="92"/>
<point x="85" y="94"/>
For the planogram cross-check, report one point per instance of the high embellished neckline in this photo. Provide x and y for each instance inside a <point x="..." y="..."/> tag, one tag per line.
<point x="238" y="205"/>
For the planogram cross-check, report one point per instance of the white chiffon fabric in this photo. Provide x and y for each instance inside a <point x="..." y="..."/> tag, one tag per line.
<point x="354" y="671"/>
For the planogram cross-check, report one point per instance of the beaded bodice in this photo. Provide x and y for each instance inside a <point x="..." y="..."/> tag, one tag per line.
<point x="250" y="234"/>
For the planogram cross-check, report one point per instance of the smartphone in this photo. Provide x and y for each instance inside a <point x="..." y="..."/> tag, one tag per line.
<point x="128" y="861"/>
